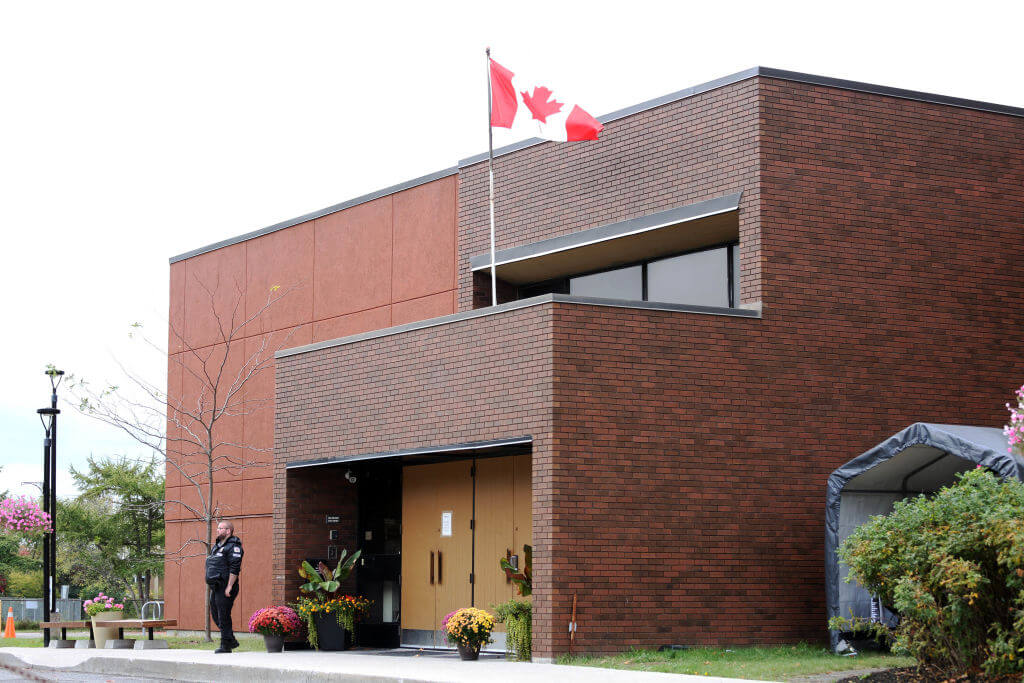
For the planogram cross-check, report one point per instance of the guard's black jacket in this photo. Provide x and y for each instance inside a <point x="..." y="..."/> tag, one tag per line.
<point x="224" y="559"/>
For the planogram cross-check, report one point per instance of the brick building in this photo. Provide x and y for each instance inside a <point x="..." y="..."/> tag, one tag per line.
<point x="742" y="286"/>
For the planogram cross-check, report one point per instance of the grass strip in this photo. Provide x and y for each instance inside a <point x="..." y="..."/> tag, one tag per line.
<point x="776" y="663"/>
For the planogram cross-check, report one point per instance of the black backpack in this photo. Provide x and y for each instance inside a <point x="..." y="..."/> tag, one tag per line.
<point x="216" y="568"/>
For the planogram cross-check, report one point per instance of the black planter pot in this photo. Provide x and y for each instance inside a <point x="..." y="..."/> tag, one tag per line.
<point x="468" y="653"/>
<point x="273" y="643"/>
<point x="331" y="636"/>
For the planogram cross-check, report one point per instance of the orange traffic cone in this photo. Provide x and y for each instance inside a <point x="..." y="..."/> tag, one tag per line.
<point x="9" y="631"/>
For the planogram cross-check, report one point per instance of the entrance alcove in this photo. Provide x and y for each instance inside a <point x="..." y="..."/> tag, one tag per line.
<point x="431" y="522"/>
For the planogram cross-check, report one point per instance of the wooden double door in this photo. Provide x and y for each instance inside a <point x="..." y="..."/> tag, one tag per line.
<point x="453" y="538"/>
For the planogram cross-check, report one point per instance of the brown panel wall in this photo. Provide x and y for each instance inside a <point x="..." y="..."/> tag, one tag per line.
<point x="338" y="279"/>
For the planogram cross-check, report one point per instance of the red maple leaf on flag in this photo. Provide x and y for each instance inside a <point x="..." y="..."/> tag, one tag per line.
<point x="539" y="104"/>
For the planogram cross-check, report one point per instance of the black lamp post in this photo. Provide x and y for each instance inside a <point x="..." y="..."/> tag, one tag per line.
<point x="50" y="498"/>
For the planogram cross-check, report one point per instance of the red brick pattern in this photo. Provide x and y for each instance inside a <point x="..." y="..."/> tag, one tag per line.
<point x="467" y="381"/>
<point x="313" y="494"/>
<point x="693" y="451"/>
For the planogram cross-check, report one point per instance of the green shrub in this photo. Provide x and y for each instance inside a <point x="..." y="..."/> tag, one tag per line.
<point x="952" y="567"/>
<point x="25" y="584"/>
<point x="26" y="625"/>
<point x="517" y="615"/>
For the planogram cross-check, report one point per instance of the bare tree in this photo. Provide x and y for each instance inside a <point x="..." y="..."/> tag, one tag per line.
<point x="191" y="430"/>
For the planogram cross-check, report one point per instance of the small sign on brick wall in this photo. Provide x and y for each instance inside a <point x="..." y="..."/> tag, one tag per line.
<point x="333" y="519"/>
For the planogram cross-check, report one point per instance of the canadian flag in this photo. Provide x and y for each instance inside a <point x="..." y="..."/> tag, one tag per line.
<point x="512" y="103"/>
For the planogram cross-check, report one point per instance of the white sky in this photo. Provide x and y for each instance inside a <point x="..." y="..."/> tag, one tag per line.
<point x="134" y="131"/>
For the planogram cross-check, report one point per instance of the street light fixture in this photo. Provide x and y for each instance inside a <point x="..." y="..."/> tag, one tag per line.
<point x="50" y="496"/>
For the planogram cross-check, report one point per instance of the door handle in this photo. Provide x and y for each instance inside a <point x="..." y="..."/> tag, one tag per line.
<point x="439" y="567"/>
<point x="431" y="567"/>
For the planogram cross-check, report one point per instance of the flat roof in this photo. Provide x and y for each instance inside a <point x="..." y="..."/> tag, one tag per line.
<point x="763" y="71"/>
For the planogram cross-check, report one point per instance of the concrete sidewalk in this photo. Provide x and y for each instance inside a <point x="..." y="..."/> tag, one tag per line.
<point x="262" y="667"/>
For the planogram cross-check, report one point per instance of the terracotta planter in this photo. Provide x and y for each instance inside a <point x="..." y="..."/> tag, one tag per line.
<point x="104" y="633"/>
<point x="469" y="653"/>
<point x="274" y="643"/>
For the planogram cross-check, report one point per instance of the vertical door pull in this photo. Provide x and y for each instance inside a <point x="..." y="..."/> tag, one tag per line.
<point x="439" y="571"/>
<point x="431" y="567"/>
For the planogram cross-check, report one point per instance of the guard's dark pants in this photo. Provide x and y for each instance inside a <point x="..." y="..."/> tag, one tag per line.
<point x="220" y="610"/>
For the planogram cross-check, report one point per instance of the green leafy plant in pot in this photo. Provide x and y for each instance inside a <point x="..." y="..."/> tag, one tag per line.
<point x="517" y="615"/>
<point x="322" y="600"/>
<point x="523" y="579"/>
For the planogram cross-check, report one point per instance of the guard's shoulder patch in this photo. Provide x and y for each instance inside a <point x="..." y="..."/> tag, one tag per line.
<point x="238" y="551"/>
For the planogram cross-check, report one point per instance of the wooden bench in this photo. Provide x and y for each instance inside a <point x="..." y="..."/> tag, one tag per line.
<point x="147" y="624"/>
<point x="63" y="642"/>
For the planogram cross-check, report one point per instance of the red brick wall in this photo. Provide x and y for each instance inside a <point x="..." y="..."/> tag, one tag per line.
<point x="313" y="494"/>
<point x="467" y="381"/>
<point x="698" y="148"/>
<point x="680" y="459"/>
<point x="694" y="450"/>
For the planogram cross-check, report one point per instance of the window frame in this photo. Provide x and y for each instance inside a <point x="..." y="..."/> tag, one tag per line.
<point x="561" y="285"/>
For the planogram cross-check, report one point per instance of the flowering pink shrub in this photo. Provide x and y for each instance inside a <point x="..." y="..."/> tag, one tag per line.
<point x="1015" y="430"/>
<point x="101" y="603"/>
<point x="275" y="621"/>
<point x="23" y="515"/>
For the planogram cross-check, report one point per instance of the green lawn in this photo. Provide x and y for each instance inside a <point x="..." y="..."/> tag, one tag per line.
<point x="189" y="642"/>
<point x="766" y="663"/>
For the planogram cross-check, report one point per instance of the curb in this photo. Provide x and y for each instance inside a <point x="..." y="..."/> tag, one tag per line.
<point x="199" y="673"/>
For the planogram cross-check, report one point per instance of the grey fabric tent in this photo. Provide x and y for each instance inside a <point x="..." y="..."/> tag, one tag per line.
<point x="920" y="459"/>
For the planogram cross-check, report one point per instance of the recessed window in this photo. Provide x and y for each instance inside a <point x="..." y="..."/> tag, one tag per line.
<point x="621" y="283"/>
<point x="705" y="277"/>
<point x="700" y="278"/>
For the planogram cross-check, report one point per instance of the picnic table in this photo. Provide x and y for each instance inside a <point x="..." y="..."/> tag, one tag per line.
<point x="147" y="624"/>
<point x="64" y="626"/>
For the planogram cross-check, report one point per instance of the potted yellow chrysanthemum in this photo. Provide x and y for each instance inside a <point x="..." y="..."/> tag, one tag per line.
<point x="470" y="629"/>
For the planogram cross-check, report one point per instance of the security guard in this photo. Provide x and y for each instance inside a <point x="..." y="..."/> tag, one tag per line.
<point x="222" y="568"/>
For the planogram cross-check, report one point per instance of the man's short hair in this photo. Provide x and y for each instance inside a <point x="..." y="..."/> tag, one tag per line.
<point x="228" y="524"/>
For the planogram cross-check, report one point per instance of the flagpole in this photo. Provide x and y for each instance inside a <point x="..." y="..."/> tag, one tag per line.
<point x="490" y="177"/>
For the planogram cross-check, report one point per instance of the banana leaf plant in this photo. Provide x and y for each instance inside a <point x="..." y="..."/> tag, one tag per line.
<point x="522" y="579"/>
<point x="324" y="582"/>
